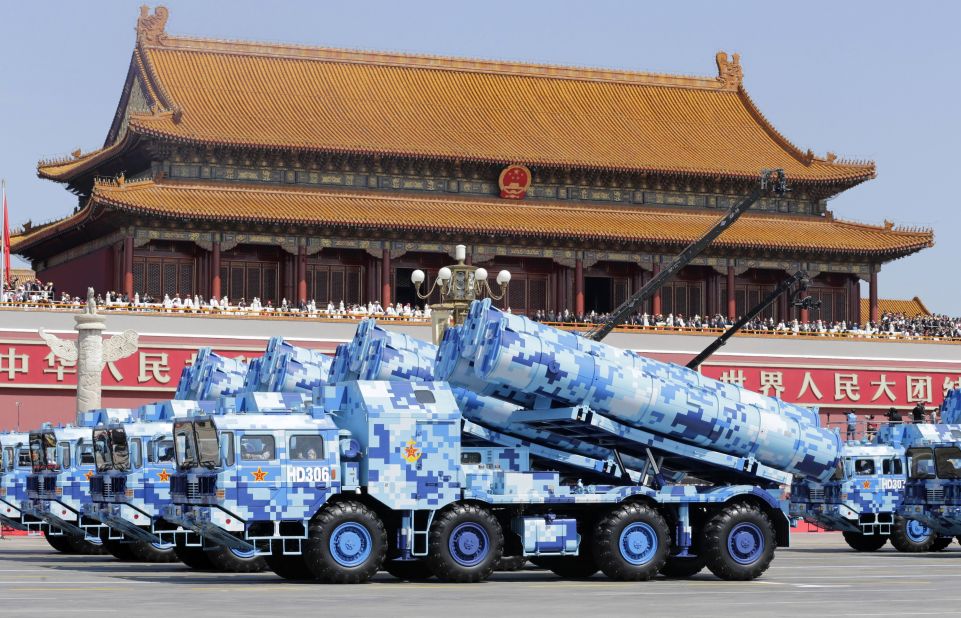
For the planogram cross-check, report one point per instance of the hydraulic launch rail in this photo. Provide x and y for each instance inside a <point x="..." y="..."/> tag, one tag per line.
<point x="771" y="182"/>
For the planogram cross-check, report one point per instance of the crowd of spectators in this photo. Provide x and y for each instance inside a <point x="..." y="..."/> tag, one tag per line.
<point x="34" y="292"/>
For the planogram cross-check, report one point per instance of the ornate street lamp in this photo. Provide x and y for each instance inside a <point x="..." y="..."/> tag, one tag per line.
<point x="459" y="285"/>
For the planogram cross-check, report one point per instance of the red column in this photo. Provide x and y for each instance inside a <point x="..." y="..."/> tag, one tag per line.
<point x="579" y="286"/>
<point x="302" y="274"/>
<point x="731" y="298"/>
<point x="128" y="267"/>
<point x="385" y="279"/>
<point x="215" y="270"/>
<point x="656" y="298"/>
<point x="873" y="296"/>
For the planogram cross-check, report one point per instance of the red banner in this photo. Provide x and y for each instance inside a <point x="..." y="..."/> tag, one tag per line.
<point x="29" y="365"/>
<point x="900" y="387"/>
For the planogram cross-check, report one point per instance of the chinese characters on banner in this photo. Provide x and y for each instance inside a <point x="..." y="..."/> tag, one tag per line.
<point x="842" y="387"/>
<point x="32" y="365"/>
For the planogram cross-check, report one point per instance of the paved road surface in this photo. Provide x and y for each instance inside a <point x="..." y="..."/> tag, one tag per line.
<point x="819" y="576"/>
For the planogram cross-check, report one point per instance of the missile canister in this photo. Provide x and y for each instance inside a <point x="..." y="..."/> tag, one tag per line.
<point x="386" y="362"/>
<point x="654" y="396"/>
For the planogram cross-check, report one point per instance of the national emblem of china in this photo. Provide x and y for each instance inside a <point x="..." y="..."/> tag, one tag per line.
<point x="514" y="182"/>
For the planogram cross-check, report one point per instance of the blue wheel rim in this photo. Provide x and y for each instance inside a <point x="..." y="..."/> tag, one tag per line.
<point x="244" y="555"/>
<point x="745" y="543"/>
<point x="162" y="546"/>
<point x="638" y="543"/>
<point x="350" y="544"/>
<point x="917" y="531"/>
<point x="469" y="544"/>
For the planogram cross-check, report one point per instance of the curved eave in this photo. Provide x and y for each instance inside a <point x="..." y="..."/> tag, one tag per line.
<point x="125" y="199"/>
<point x="24" y="242"/>
<point x="70" y="170"/>
<point x="163" y="127"/>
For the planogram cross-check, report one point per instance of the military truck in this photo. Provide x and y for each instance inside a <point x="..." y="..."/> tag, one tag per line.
<point x="932" y="493"/>
<point x="610" y="462"/>
<point x="14" y="469"/>
<point x="861" y="500"/>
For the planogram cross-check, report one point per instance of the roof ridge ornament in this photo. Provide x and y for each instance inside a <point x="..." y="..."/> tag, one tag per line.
<point x="729" y="71"/>
<point x="150" y="28"/>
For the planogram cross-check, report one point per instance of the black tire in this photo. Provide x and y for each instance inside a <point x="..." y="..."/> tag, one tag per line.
<point x="60" y="542"/>
<point x="148" y="552"/>
<point x="231" y="561"/>
<point x="738" y="543"/>
<point x="581" y="566"/>
<point x="291" y="567"/>
<point x="410" y="570"/>
<point x="631" y="542"/>
<point x="511" y="563"/>
<point x="364" y="546"/>
<point x="907" y="537"/>
<point x="477" y="541"/>
<point x="941" y="543"/>
<point x="861" y="542"/>
<point x="678" y="567"/>
<point x="194" y="557"/>
<point x="120" y="550"/>
<point x="87" y="548"/>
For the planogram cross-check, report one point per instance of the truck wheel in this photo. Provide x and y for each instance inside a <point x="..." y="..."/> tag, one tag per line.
<point x="120" y="550"/>
<point x="511" y="563"/>
<point x="347" y="544"/>
<point x="88" y="546"/>
<point x="580" y="566"/>
<point x="466" y="542"/>
<point x="631" y="542"/>
<point x="292" y="567"/>
<point x="193" y="557"/>
<point x="154" y="552"/>
<point x="411" y="570"/>
<point x="911" y="536"/>
<point x="236" y="561"/>
<point x="861" y="542"/>
<point x="60" y="542"/>
<point x="738" y="543"/>
<point x="680" y="567"/>
<point x="941" y="543"/>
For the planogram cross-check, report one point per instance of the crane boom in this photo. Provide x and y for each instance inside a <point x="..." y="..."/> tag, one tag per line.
<point x="771" y="181"/>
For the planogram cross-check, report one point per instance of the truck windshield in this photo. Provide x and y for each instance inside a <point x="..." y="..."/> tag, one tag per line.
<point x="921" y="463"/>
<point x="111" y="450"/>
<point x="101" y="450"/>
<point x="949" y="462"/>
<point x="195" y="443"/>
<point x="43" y="451"/>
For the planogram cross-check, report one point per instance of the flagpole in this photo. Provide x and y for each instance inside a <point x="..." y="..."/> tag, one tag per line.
<point x="3" y="236"/>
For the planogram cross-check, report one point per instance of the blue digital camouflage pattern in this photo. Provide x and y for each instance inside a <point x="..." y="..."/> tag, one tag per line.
<point x="525" y="356"/>
<point x="863" y="496"/>
<point x="287" y="368"/>
<point x="14" y="471"/>
<point x="547" y="535"/>
<point x="933" y="489"/>
<point x="951" y="407"/>
<point x="211" y="376"/>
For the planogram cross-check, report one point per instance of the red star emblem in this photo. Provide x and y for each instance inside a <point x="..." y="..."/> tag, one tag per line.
<point x="259" y="474"/>
<point x="163" y="475"/>
<point x="88" y="474"/>
<point x="411" y="452"/>
<point x="867" y="484"/>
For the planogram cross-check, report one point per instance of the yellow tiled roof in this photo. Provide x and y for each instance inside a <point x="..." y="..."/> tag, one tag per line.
<point x="465" y="215"/>
<point x="311" y="98"/>
<point x="910" y="308"/>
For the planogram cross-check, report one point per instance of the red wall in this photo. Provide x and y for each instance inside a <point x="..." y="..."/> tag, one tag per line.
<point x="75" y="276"/>
<point x="56" y="406"/>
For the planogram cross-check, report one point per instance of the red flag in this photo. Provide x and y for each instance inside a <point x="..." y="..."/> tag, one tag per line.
<point x="6" y="237"/>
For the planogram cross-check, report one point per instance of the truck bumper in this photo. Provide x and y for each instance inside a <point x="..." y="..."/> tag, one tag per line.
<point x="212" y="524"/>
<point x="122" y="520"/>
<point x="58" y="515"/>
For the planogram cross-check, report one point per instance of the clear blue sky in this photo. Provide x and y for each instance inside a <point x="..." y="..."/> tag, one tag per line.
<point x="873" y="80"/>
